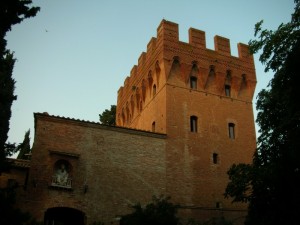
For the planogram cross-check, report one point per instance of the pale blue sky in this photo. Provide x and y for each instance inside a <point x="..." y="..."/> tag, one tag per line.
<point x="74" y="55"/>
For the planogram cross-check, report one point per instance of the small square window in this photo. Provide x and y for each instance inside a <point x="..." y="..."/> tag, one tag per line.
<point x="218" y="205"/>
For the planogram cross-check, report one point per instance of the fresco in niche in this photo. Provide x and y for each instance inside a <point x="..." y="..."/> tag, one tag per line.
<point x="61" y="176"/>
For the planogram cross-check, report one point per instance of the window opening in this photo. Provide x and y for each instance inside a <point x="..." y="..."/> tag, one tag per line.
<point x="193" y="82"/>
<point x="231" y="130"/>
<point x="193" y="123"/>
<point x="141" y="106"/>
<point x="153" y="126"/>
<point x="154" y="89"/>
<point x="227" y="90"/>
<point x="215" y="158"/>
<point x="212" y="70"/>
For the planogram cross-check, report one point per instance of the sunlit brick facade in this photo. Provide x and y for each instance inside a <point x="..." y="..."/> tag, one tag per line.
<point x="184" y="116"/>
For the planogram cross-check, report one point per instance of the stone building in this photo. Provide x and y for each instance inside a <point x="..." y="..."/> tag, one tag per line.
<point x="184" y="116"/>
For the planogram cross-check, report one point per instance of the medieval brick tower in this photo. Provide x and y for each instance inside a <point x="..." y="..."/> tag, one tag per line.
<point x="184" y="116"/>
<point x="202" y="100"/>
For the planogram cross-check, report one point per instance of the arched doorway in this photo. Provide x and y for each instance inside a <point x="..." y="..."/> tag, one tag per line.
<point x="64" y="216"/>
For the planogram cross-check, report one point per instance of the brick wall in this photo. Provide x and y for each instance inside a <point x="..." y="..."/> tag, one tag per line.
<point x="112" y="167"/>
<point x="193" y="179"/>
<point x="119" y="166"/>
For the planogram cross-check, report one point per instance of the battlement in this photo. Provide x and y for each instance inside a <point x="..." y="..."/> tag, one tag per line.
<point x="167" y="57"/>
<point x="168" y="31"/>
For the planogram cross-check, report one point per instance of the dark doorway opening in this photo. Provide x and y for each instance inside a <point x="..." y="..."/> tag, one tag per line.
<point x="64" y="216"/>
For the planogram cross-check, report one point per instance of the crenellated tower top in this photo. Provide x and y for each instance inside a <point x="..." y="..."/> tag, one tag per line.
<point x="169" y="61"/>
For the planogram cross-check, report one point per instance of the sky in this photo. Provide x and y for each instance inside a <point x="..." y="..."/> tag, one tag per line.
<point x="74" y="55"/>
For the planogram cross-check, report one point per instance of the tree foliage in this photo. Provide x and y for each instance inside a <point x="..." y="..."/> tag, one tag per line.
<point x="276" y="45"/>
<point x="108" y="117"/>
<point x="11" y="12"/>
<point x="271" y="183"/>
<point x="9" y="214"/>
<point x="24" y="147"/>
<point x="159" y="212"/>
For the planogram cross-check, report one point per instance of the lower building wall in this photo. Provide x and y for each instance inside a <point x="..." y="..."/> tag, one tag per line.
<point x="212" y="215"/>
<point x="110" y="168"/>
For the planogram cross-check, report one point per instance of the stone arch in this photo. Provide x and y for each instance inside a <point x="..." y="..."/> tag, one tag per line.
<point x="150" y="78"/>
<point x="123" y="117"/>
<point x="211" y="77"/>
<point x="119" y="119"/>
<point x="153" y="128"/>
<point x="64" y="216"/>
<point x="227" y="84"/>
<point x="243" y="92"/>
<point x="193" y="77"/>
<point x="154" y="90"/>
<point x="137" y="98"/>
<point x="127" y="113"/>
<point x="228" y="77"/>
<point x="157" y="72"/>
<point x="143" y="90"/>
<point x="132" y="104"/>
<point x="141" y="106"/>
<point x="150" y="82"/>
<point x="175" y="68"/>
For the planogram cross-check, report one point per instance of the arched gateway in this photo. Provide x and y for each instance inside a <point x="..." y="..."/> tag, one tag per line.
<point x="64" y="216"/>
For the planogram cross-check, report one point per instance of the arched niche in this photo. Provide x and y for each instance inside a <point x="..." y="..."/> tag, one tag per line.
<point x="62" y="174"/>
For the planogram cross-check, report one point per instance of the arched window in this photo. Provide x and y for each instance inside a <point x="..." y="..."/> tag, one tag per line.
<point x="212" y="70"/>
<point x="154" y="90"/>
<point x="193" y="123"/>
<point x="123" y="117"/>
<point x="215" y="158"/>
<point x="141" y="106"/>
<point x="193" y="75"/>
<point x="231" y="130"/>
<point x="153" y="126"/>
<point x="227" y="90"/>
<point x="62" y="174"/>
<point x="244" y="77"/>
<point x="193" y="82"/>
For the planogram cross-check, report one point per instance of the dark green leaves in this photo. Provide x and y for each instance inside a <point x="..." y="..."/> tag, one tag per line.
<point x="158" y="212"/>
<point x="108" y="117"/>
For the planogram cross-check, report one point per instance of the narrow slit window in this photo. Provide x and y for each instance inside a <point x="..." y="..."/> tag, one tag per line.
<point x="193" y="123"/>
<point x="227" y="90"/>
<point x="231" y="130"/>
<point x="141" y="106"/>
<point x="154" y="90"/>
<point x="153" y="126"/>
<point x="215" y="158"/>
<point x="193" y="82"/>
